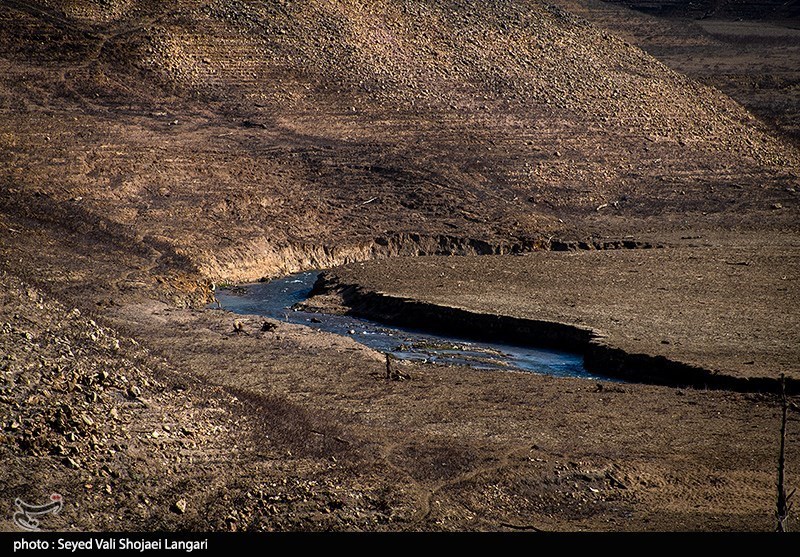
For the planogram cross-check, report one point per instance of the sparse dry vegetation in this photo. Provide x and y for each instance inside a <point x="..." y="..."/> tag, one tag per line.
<point x="149" y="150"/>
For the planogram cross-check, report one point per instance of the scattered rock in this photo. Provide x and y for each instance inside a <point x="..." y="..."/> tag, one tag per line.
<point x="72" y="463"/>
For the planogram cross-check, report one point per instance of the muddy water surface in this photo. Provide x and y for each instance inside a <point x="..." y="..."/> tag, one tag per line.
<point x="275" y="299"/>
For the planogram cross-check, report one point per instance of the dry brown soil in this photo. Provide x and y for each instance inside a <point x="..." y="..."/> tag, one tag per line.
<point x="148" y="149"/>
<point x="749" y="50"/>
<point x="729" y="309"/>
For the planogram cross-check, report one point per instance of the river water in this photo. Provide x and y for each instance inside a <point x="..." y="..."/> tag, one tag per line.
<point x="275" y="299"/>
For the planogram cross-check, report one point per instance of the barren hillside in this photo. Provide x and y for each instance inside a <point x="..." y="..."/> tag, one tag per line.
<point x="232" y="130"/>
<point x="150" y="149"/>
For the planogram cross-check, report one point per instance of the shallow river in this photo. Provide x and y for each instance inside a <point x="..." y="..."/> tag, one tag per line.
<point x="275" y="299"/>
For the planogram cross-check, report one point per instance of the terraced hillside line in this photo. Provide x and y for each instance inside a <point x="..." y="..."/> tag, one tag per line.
<point x="259" y="259"/>
<point x="149" y="148"/>
<point x="223" y="128"/>
<point x="748" y="50"/>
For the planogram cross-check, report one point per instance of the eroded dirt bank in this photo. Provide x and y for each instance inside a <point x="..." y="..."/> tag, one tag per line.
<point x="713" y="315"/>
<point x="300" y="430"/>
<point x="229" y="133"/>
<point x="151" y="148"/>
<point x="306" y="433"/>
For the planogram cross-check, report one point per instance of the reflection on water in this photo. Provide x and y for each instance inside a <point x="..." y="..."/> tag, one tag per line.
<point x="275" y="299"/>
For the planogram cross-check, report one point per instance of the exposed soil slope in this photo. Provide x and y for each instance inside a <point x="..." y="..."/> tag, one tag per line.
<point x="231" y="130"/>
<point x="150" y="148"/>
<point x="748" y="50"/>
